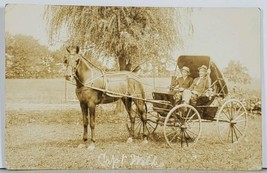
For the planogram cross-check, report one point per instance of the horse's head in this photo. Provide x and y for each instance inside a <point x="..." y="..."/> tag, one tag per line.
<point x="71" y="61"/>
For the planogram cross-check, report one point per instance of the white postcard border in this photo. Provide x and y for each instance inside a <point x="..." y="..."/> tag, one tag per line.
<point x="166" y="3"/>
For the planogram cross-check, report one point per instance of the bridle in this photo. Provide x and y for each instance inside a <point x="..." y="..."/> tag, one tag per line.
<point x="89" y="65"/>
<point x="70" y="65"/>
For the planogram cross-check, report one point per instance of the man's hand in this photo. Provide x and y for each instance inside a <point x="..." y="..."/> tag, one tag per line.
<point x="181" y="89"/>
<point x="208" y="71"/>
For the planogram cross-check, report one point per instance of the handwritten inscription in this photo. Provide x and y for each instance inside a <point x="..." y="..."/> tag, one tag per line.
<point x="115" y="161"/>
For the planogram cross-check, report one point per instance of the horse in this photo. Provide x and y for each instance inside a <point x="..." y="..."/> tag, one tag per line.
<point x="93" y="87"/>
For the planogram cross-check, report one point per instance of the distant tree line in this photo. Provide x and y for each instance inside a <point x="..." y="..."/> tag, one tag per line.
<point x="26" y="58"/>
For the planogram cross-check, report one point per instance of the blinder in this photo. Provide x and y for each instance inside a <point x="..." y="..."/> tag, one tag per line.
<point x="71" y="64"/>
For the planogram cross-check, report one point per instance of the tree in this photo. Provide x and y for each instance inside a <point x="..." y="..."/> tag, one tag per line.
<point x="26" y="58"/>
<point x="237" y="73"/>
<point x="132" y="35"/>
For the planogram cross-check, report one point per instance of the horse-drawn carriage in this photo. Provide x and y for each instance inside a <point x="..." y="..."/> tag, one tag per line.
<point x="182" y="123"/>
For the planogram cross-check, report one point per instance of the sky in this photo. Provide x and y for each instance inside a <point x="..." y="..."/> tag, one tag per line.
<point x="224" y="34"/>
<point x="227" y="34"/>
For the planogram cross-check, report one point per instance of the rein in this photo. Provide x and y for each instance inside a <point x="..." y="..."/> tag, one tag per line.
<point x="86" y="84"/>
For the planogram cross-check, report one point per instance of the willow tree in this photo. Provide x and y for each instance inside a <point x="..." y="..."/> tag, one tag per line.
<point x="132" y="35"/>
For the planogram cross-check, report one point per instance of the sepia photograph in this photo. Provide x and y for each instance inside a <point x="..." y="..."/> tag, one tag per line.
<point x="124" y="87"/>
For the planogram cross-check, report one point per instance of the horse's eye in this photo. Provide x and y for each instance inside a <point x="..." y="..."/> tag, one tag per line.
<point x="65" y="61"/>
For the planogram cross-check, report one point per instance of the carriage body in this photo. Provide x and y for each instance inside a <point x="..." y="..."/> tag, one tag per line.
<point x="207" y="106"/>
<point x="187" y="120"/>
<point x="182" y="122"/>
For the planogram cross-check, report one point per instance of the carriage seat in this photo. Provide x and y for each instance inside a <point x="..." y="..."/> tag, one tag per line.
<point x="205" y="108"/>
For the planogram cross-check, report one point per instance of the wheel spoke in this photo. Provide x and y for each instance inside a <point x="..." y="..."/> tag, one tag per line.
<point x="139" y="132"/>
<point x="188" y="114"/>
<point x="225" y="128"/>
<point x="230" y="110"/>
<point x="232" y="135"/>
<point x="239" y="116"/>
<point x="224" y="124"/>
<point x="192" y="132"/>
<point x="174" y="137"/>
<point x="228" y="132"/>
<point x="241" y="120"/>
<point x="238" y="110"/>
<point x="172" y="132"/>
<point x="138" y="125"/>
<point x="225" y="114"/>
<point x="189" y="137"/>
<point x="238" y="130"/>
<point x="191" y="117"/>
<point x="151" y="129"/>
<point x="235" y="134"/>
<point x="150" y="125"/>
<point x="148" y="130"/>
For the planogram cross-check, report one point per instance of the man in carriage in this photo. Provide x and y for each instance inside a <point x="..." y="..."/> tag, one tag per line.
<point x="199" y="87"/>
<point x="182" y="83"/>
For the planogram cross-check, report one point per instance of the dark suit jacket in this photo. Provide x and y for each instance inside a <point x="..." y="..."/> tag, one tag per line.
<point x="184" y="83"/>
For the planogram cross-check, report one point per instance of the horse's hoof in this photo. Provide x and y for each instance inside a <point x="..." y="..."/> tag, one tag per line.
<point x="81" y="146"/>
<point x="145" y="141"/>
<point x="91" y="147"/>
<point x="130" y="140"/>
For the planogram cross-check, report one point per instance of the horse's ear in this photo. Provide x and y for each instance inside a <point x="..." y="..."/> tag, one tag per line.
<point x="77" y="49"/>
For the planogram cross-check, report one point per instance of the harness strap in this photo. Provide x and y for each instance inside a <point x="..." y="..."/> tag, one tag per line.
<point x="103" y="75"/>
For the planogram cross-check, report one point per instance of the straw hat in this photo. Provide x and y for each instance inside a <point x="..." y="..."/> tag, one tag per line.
<point x="203" y="67"/>
<point x="186" y="69"/>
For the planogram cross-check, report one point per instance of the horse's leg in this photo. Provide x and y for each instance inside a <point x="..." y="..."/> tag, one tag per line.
<point x="84" y="109"/>
<point x="92" y="126"/>
<point x="140" y="104"/>
<point x="128" y="105"/>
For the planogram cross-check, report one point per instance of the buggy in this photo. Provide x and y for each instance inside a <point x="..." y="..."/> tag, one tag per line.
<point x="182" y="123"/>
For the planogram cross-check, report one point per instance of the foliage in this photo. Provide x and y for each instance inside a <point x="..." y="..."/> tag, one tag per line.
<point x="132" y="35"/>
<point x="26" y="58"/>
<point x="237" y="73"/>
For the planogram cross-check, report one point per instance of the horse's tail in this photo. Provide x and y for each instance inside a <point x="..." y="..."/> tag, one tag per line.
<point x="136" y="69"/>
<point x="128" y="128"/>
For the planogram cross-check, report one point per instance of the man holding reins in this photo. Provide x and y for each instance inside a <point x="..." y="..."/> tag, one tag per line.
<point x="198" y="88"/>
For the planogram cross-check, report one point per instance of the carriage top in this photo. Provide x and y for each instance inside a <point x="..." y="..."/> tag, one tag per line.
<point x="195" y="61"/>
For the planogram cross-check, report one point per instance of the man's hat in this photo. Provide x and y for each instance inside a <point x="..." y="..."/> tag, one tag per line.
<point x="203" y="67"/>
<point x="186" y="69"/>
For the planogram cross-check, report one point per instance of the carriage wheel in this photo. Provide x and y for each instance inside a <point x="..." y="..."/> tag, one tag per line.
<point x="182" y="126"/>
<point x="152" y="119"/>
<point x="151" y="126"/>
<point x="232" y="121"/>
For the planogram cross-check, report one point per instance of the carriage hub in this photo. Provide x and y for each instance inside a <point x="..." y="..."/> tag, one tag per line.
<point x="184" y="126"/>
